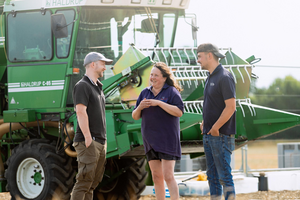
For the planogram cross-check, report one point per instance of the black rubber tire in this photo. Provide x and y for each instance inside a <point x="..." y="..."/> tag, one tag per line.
<point x="57" y="170"/>
<point x="129" y="185"/>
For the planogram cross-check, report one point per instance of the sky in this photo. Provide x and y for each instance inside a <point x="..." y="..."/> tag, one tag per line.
<point x="267" y="29"/>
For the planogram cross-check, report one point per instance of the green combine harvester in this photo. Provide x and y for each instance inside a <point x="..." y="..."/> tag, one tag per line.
<point x="42" y="47"/>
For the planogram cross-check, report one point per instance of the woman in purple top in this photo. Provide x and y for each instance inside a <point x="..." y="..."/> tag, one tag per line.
<point x="160" y="106"/>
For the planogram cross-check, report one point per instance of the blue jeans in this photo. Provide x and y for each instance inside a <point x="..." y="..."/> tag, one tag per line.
<point x="218" y="150"/>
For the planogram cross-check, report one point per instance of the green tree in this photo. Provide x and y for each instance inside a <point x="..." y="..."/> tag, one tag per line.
<point x="283" y="94"/>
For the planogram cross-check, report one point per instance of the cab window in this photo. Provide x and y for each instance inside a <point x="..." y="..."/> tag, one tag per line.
<point x="29" y="39"/>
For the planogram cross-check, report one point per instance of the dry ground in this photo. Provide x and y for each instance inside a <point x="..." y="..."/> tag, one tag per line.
<point x="270" y="195"/>
<point x="261" y="155"/>
<point x="282" y="195"/>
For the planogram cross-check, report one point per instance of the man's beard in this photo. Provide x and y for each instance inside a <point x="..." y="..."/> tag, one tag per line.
<point x="100" y="74"/>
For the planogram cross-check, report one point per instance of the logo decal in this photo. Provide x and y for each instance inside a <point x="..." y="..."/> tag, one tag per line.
<point x="164" y="99"/>
<point x="36" y="86"/>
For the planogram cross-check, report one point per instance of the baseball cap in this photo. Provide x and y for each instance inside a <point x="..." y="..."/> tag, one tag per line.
<point x="94" y="57"/>
<point x="208" y="47"/>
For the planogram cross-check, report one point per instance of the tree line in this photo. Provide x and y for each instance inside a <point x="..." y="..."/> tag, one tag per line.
<point x="282" y="94"/>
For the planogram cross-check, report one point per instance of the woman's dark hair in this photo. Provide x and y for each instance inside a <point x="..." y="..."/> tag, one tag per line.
<point x="166" y="72"/>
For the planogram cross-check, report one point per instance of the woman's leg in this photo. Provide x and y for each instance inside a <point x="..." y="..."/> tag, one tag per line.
<point x="168" y="172"/>
<point x="158" y="178"/>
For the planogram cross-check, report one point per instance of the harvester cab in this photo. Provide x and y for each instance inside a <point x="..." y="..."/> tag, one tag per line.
<point x="42" y="47"/>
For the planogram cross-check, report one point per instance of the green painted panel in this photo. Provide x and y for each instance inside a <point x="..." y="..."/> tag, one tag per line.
<point x="240" y="128"/>
<point x="2" y="43"/>
<point x="36" y="86"/>
<point x="266" y="121"/>
<point x="123" y="143"/>
<point x="19" y="116"/>
<point x="190" y="119"/>
<point x="196" y="94"/>
<point x="232" y="59"/>
<point x="191" y="133"/>
<point x="110" y="132"/>
<point x="135" y="133"/>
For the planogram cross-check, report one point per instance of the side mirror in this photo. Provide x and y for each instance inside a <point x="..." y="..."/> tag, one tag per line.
<point x="194" y="28"/>
<point x="146" y="26"/>
<point x="59" y="25"/>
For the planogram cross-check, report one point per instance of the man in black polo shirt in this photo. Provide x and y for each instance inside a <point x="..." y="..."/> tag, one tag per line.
<point x="90" y="138"/>
<point x="218" y="125"/>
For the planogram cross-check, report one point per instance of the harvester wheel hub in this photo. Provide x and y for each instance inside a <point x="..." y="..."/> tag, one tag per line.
<point x="30" y="178"/>
<point x="37" y="177"/>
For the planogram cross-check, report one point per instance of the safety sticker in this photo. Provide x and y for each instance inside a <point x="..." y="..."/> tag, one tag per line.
<point x="12" y="101"/>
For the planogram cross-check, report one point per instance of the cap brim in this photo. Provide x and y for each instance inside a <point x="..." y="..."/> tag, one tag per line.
<point x="107" y="61"/>
<point x="219" y="55"/>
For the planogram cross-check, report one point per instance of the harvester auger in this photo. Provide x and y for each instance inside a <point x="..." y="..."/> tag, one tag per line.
<point x="42" y="47"/>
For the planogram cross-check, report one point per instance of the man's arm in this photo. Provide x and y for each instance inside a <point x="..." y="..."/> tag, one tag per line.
<point x="83" y="122"/>
<point x="201" y="126"/>
<point x="224" y="117"/>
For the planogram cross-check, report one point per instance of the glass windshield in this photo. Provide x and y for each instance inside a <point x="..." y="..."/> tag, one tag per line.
<point x="24" y="44"/>
<point x="185" y="30"/>
<point x="111" y="31"/>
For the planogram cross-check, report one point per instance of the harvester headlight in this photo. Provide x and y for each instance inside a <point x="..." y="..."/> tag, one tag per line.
<point x="107" y="1"/>
<point x="135" y="1"/>
<point x="167" y="2"/>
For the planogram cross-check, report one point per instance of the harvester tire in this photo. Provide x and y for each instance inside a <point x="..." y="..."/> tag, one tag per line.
<point x="35" y="171"/>
<point x="129" y="185"/>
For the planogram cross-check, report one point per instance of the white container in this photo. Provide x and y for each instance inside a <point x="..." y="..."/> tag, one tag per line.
<point x="193" y="188"/>
<point x="244" y="184"/>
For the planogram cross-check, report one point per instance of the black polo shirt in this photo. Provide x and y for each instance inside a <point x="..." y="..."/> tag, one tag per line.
<point x="219" y="86"/>
<point x="86" y="92"/>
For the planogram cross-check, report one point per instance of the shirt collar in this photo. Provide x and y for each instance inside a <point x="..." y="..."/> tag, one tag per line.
<point x="164" y="87"/>
<point x="218" y="68"/>
<point x="96" y="84"/>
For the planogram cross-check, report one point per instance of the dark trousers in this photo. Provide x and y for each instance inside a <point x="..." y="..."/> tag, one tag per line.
<point x="91" y="165"/>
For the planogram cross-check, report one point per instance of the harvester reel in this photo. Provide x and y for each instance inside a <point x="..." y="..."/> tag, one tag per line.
<point x="129" y="185"/>
<point x="35" y="171"/>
